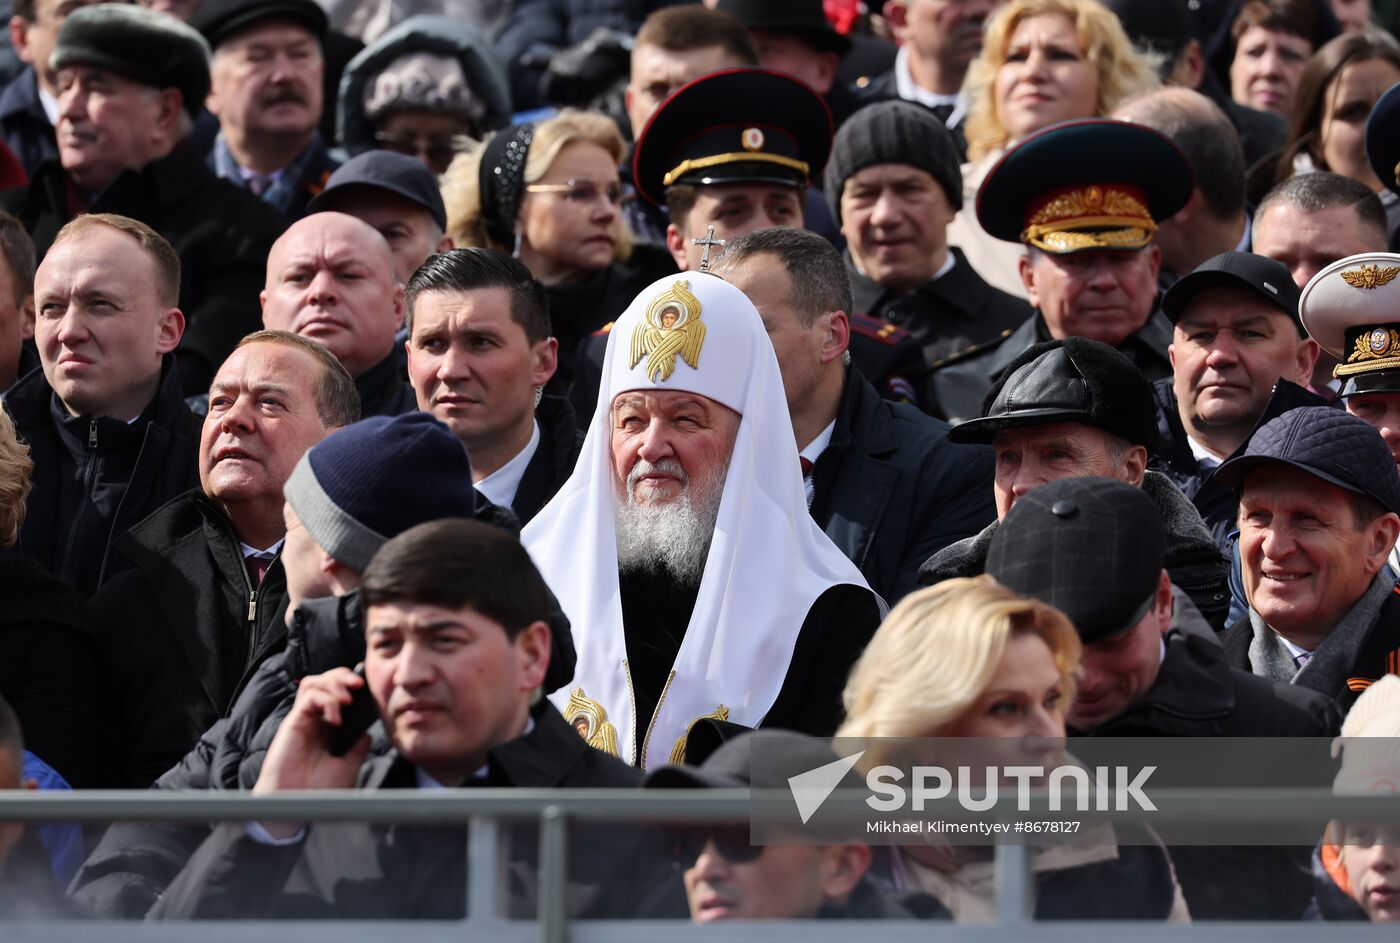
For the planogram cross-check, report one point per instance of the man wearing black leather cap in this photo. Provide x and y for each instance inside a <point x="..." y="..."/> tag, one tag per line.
<point x="1319" y="514"/>
<point x="1078" y="408"/>
<point x="1239" y="357"/>
<point x="1094" y="549"/>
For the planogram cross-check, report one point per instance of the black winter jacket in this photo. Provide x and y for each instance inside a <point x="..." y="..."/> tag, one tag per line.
<point x="407" y="872"/>
<point x="180" y="629"/>
<point x="96" y="478"/>
<point x="48" y="669"/>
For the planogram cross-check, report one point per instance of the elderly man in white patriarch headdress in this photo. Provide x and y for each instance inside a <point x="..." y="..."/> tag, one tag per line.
<point x="681" y="549"/>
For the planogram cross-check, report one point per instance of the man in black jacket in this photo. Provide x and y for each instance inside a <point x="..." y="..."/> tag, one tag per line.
<point x="894" y="183"/>
<point x="110" y="436"/>
<point x="130" y="81"/>
<point x="199" y="603"/>
<point x="1151" y="667"/>
<point x="882" y="478"/>
<point x="458" y="632"/>
<point x="330" y="277"/>
<point x="1239" y="356"/>
<point x="359" y="487"/>
<point x="480" y="350"/>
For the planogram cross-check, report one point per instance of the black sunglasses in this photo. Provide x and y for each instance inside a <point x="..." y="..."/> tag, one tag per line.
<point x="731" y="841"/>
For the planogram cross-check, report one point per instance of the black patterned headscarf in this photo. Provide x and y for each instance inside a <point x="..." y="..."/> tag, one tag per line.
<point x="501" y="178"/>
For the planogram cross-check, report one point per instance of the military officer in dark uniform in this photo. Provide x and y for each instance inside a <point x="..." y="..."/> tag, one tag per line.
<point x="1085" y="198"/>
<point x="730" y="153"/>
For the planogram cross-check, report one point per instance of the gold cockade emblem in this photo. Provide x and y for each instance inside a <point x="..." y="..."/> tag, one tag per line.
<point x="672" y="328"/>
<point x="1370" y="276"/>
<point x="678" y="748"/>
<point x="1375" y="344"/>
<point x="589" y="718"/>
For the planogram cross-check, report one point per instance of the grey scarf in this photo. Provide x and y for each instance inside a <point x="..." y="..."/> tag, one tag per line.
<point x="1332" y="661"/>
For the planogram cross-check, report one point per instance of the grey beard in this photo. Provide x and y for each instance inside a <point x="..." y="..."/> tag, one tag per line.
<point x="673" y="537"/>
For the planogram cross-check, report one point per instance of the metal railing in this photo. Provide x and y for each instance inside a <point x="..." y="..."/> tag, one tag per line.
<point x="485" y="809"/>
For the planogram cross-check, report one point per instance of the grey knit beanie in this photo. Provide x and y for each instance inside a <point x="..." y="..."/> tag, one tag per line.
<point x="893" y="132"/>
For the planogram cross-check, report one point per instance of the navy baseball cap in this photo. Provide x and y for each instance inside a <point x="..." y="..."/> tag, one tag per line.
<point x="400" y="174"/>
<point x="1267" y="278"/>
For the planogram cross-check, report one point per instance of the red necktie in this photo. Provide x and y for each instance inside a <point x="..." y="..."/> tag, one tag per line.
<point x="257" y="568"/>
<point x="806" y="466"/>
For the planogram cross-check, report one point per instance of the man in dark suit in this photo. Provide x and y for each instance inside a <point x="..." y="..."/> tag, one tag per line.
<point x="480" y="350"/>
<point x="882" y="479"/>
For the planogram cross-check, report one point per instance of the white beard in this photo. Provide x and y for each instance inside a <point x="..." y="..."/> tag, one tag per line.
<point x="673" y="536"/>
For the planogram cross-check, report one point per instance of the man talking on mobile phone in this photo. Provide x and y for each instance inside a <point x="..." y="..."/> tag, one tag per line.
<point x="457" y="646"/>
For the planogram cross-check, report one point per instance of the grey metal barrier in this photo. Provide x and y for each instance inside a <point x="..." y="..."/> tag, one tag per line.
<point x="484" y="810"/>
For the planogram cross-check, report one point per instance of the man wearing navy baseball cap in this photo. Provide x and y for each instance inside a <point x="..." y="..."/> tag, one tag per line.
<point x="1319" y="514"/>
<point x="1239" y="357"/>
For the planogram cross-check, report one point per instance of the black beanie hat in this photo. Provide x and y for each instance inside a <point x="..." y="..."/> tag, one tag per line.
<point x="894" y="132"/>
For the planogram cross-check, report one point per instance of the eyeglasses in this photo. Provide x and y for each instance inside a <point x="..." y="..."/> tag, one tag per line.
<point x="438" y="150"/>
<point x="581" y="191"/>
<point x="731" y="841"/>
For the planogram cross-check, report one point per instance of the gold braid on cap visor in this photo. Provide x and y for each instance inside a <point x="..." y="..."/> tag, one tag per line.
<point x="700" y="163"/>
<point x="1090" y="218"/>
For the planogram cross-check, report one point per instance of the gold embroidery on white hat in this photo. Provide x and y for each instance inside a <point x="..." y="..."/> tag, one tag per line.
<point x="671" y="328"/>
<point x="1370" y="276"/>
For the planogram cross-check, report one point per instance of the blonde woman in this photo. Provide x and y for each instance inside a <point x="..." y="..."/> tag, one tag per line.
<point x="1042" y="62"/>
<point x="970" y="658"/>
<point x="549" y="194"/>
<point x="48" y="665"/>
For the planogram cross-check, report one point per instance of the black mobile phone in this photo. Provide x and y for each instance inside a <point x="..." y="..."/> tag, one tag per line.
<point x="355" y="718"/>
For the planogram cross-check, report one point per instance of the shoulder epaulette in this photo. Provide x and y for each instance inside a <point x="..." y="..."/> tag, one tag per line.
<point x="967" y="353"/>
<point x="878" y="329"/>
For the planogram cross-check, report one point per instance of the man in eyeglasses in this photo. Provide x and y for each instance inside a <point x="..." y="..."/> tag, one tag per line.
<point x="266" y="91"/>
<point x="728" y="878"/>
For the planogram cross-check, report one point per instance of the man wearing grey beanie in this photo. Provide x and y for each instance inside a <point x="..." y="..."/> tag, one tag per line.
<point x="894" y="185"/>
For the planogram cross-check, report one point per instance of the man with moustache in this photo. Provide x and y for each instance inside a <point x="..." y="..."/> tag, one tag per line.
<point x="198" y="604"/>
<point x="681" y="548"/>
<point x="331" y="278"/>
<point x="266" y="91"/>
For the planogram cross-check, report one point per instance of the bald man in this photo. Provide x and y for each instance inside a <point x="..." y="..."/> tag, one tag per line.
<point x="331" y="278"/>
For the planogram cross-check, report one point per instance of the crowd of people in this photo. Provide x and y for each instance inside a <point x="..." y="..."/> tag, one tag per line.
<point x="548" y="394"/>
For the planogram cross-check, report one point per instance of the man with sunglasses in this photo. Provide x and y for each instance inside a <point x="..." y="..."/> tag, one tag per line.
<point x="727" y="877"/>
<point x="266" y="90"/>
